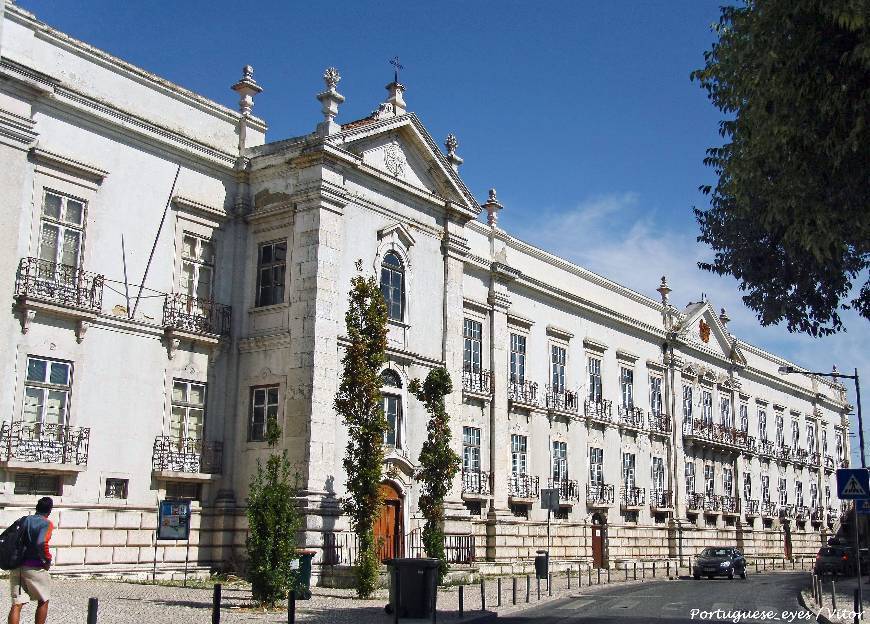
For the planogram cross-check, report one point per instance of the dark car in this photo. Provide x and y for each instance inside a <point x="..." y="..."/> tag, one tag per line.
<point x="720" y="561"/>
<point x="835" y="560"/>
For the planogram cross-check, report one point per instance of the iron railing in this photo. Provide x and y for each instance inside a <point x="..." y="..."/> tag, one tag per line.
<point x="829" y="462"/>
<point x="766" y="447"/>
<point x="568" y="489"/>
<point x="801" y="513"/>
<point x="44" y="443"/>
<point x="659" y="422"/>
<point x="784" y="452"/>
<point x="600" y="494"/>
<point x="475" y="482"/>
<point x="817" y="514"/>
<point x="694" y="501"/>
<point x="751" y="507"/>
<point x="599" y="410"/>
<point x="563" y="400"/>
<point x="786" y="511"/>
<point x="479" y="381"/>
<point x="191" y="455"/>
<point x="832" y="515"/>
<point x="661" y="499"/>
<point x="769" y="509"/>
<point x="343" y="548"/>
<point x="62" y="284"/>
<point x="197" y="316"/>
<point x="716" y="433"/>
<point x="630" y="416"/>
<point x="525" y="392"/>
<point x="843" y="463"/>
<point x="523" y="486"/>
<point x="632" y="496"/>
<point x="712" y="502"/>
<point x="801" y="456"/>
<point x="729" y="504"/>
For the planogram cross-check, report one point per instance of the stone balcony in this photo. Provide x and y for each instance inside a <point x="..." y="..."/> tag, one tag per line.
<point x="600" y="412"/>
<point x="186" y="459"/>
<point x="630" y="417"/>
<point x="477" y="383"/>
<point x="632" y="498"/>
<point x="564" y="402"/>
<point x="475" y="484"/>
<point x="523" y="488"/>
<point x="599" y="496"/>
<point x="49" y="448"/>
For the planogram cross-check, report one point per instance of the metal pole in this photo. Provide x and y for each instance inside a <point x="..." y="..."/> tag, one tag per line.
<point x="482" y="595"/>
<point x="291" y="607"/>
<point x="92" y="610"/>
<point x="608" y="576"/>
<point x="860" y="426"/>
<point x="154" y="570"/>
<point x="538" y="579"/>
<point x="528" y="587"/>
<point x="569" y="577"/>
<point x="216" y="605"/>
<point x="857" y="545"/>
<point x="498" y="588"/>
<point x="856" y="605"/>
<point x="514" y="590"/>
<point x="654" y="569"/>
<point x="186" y="557"/>
<point x="461" y="601"/>
<point x="834" y="594"/>
<point x="397" y="595"/>
<point x="550" y="584"/>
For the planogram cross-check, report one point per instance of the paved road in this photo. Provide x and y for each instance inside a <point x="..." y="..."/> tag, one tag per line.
<point x="672" y="602"/>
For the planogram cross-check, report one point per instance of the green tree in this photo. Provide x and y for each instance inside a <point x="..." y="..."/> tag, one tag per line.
<point x="438" y="462"/>
<point x="789" y="216"/>
<point x="359" y="402"/>
<point x="273" y="520"/>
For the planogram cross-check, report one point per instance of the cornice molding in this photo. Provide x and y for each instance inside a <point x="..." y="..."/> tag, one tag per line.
<point x="70" y="165"/>
<point x="558" y="332"/>
<point x="590" y="344"/>
<point x="18" y="131"/>
<point x="191" y="205"/>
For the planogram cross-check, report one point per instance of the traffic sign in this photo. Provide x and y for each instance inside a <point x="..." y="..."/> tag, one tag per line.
<point x="550" y="499"/>
<point x="863" y="506"/>
<point x="853" y="483"/>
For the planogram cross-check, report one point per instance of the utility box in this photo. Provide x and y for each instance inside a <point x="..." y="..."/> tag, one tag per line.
<point x="413" y="583"/>
<point x="542" y="564"/>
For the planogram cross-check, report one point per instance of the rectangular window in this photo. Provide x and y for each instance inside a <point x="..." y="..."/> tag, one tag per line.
<point x="799" y="494"/>
<point x="824" y="441"/>
<point x="116" y="488"/>
<point x="557" y="362"/>
<point x="727" y="482"/>
<point x="183" y="490"/>
<point x="827" y="496"/>
<point x="765" y="489"/>
<point x="471" y="359"/>
<point x="61" y="229"/>
<point x="519" y="463"/>
<point x="471" y="449"/>
<point x="744" y="417"/>
<point x="783" y="492"/>
<point x="560" y="461"/>
<point x="687" y="403"/>
<point x="690" y="477"/>
<point x="197" y="267"/>
<point x="596" y="466"/>
<point x="762" y="425"/>
<point x="628" y="474"/>
<point x="595" y="387"/>
<point x="626" y="386"/>
<point x="814" y="495"/>
<point x="780" y="434"/>
<point x="839" y="439"/>
<point x="393" y="414"/>
<point x="657" y="474"/>
<point x="725" y="412"/>
<point x="795" y="434"/>
<point x="811" y="438"/>
<point x="47" y="390"/>
<point x="518" y="359"/>
<point x="709" y="479"/>
<point x="747" y="486"/>
<point x="271" y="270"/>
<point x="37" y="484"/>
<point x="264" y="409"/>
<point x="188" y="410"/>
<point x="655" y="395"/>
<point x="707" y="407"/>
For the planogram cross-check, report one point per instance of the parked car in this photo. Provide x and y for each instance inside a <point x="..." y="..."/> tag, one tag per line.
<point x="720" y="561"/>
<point x="836" y="560"/>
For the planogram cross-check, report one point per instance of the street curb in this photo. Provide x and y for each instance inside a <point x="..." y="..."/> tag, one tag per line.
<point x="804" y="597"/>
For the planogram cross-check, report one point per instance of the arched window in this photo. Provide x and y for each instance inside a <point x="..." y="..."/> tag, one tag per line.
<point x="393" y="285"/>
<point x="392" y="401"/>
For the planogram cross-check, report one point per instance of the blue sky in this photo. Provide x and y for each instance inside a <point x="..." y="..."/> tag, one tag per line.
<point x="580" y="114"/>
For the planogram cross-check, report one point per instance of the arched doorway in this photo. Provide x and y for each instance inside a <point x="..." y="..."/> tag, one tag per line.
<point x="599" y="533"/>
<point x="389" y="528"/>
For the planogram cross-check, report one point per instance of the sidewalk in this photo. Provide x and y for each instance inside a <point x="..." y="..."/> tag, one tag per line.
<point x="843" y="611"/>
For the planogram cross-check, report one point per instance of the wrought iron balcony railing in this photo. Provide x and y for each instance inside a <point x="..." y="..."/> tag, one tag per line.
<point x="766" y="447"/>
<point x="478" y="381"/>
<point x="716" y="433"/>
<point x="659" y="422"/>
<point x="599" y="494"/>
<point x="784" y="452"/>
<point x="197" y="316"/>
<point x="61" y="284"/>
<point x="525" y="392"/>
<point x="769" y="509"/>
<point x="661" y="499"/>
<point x="786" y="511"/>
<point x="801" y="512"/>
<point x="751" y="507"/>
<point x="817" y="514"/>
<point x="832" y="515"/>
<point x="729" y="504"/>
<point x="694" y="501"/>
<point x="569" y="490"/>
<point x="44" y="443"/>
<point x="523" y="486"/>
<point x="815" y="459"/>
<point x="563" y="400"/>
<point x="751" y="444"/>
<point x="630" y="416"/>
<point x="801" y="455"/>
<point x="845" y="511"/>
<point x="843" y="463"/>
<point x="599" y="410"/>
<point x="712" y="502"/>
<point x="632" y="496"/>
<point x="475" y="482"/>
<point x="829" y="462"/>
<point x="191" y="455"/>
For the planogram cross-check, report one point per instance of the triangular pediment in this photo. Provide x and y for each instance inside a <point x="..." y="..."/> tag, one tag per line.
<point x="702" y="328"/>
<point x="402" y="150"/>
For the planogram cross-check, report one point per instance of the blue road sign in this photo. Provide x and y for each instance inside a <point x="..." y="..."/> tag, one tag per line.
<point x="853" y="483"/>
<point x="863" y="506"/>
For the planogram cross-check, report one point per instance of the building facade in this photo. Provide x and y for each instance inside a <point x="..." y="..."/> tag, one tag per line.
<point x="174" y="281"/>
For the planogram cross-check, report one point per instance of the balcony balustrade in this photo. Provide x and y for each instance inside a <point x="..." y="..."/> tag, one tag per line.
<point x="186" y="455"/>
<point x="751" y="444"/>
<point x="801" y="456"/>
<point x="694" y="502"/>
<point x="661" y="499"/>
<point x="730" y="505"/>
<point x="751" y="507"/>
<point x="801" y="513"/>
<point x="59" y="284"/>
<point x="766" y="447"/>
<point x="569" y="490"/>
<point x="631" y="417"/>
<point x="832" y="515"/>
<point x="784" y="453"/>
<point x="829" y="463"/>
<point x="786" y="512"/>
<point x="563" y="401"/>
<point x="477" y="381"/>
<point x="196" y="316"/>
<point x="599" y="410"/>
<point x="35" y="443"/>
<point x="599" y="495"/>
<point x="525" y="393"/>
<point x="843" y="463"/>
<point x="815" y="459"/>
<point x="712" y="503"/>
<point x="659" y="423"/>
<point x="632" y="497"/>
<point x="715" y="434"/>
<point x="769" y="509"/>
<point x="476" y="482"/>
<point x="817" y="514"/>
<point x="845" y="511"/>
<point x="523" y="486"/>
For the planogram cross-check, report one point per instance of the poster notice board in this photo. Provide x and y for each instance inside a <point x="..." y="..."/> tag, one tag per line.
<point x="173" y="520"/>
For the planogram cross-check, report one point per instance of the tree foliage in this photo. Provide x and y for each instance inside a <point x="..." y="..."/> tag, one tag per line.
<point x="273" y="520"/>
<point x="359" y="402"/>
<point x="438" y="462"/>
<point x="789" y="216"/>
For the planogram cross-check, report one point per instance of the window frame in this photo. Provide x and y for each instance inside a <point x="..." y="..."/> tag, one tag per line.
<point x="46" y="387"/>
<point x="558" y="366"/>
<point x="596" y="465"/>
<point x="271" y="266"/>
<point x="265" y="405"/>
<point x="596" y="383"/>
<point x="472" y="360"/>
<point x="629" y="471"/>
<point x="518" y="347"/>
<point x="393" y="271"/>
<point x="519" y="454"/>
<point x="393" y="393"/>
<point x="198" y="264"/>
<point x="62" y="226"/>
<point x="471" y="453"/>
<point x="626" y="386"/>
<point x="559" y="467"/>
<point x="656" y="400"/>
<point x="707" y="407"/>
<point x="187" y="406"/>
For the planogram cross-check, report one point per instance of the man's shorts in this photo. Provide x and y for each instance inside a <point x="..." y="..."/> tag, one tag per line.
<point x="28" y="584"/>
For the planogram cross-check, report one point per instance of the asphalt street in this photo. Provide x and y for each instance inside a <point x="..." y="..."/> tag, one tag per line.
<point x="772" y="596"/>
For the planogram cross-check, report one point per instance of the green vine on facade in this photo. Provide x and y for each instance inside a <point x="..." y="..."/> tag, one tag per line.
<point x="438" y="462"/>
<point x="359" y="402"/>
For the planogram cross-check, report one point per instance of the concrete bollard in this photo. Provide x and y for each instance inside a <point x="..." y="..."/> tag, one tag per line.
<point x="93" y="605"/>
<point x="216" y="604"/>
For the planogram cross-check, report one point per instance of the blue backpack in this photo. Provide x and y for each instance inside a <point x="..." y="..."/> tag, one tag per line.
<point x="13" y="545"/>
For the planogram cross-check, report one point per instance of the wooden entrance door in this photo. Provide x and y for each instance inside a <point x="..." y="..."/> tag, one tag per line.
<point x="598" y="546"/>
<point x="389" y="528"/>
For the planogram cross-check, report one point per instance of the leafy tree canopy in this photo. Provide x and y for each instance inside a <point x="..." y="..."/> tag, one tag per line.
<point x="789" y="216"/>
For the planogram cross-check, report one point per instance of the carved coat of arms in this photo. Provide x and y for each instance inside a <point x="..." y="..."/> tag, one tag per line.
<point x="394" y="159"/>
<point x="704" y="331"/>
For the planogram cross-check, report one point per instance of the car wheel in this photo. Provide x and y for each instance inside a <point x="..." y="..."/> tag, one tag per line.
<point x="697" y="577"/>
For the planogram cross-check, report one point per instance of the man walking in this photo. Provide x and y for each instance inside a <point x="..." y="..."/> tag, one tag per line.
<point x="31" y="581"/>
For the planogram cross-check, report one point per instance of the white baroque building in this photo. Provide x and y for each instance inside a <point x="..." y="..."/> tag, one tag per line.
<point x="662" y="431"/>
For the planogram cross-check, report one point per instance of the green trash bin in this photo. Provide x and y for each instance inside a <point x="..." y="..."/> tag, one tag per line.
<point x="302" y="576"/>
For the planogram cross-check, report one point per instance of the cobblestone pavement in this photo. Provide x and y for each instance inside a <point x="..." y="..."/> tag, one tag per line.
<point x="125" y="603"/>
